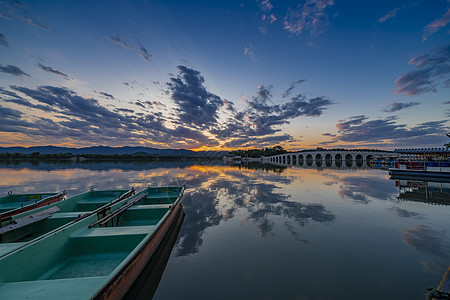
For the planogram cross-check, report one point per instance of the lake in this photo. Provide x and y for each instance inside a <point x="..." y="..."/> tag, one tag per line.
<point x="274" y="232"/>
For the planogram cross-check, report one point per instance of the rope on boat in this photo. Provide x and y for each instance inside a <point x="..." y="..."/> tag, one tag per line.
<point x="436" y="294"/>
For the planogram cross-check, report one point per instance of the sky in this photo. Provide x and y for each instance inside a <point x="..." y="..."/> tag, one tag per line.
<point x="222" y="75"/>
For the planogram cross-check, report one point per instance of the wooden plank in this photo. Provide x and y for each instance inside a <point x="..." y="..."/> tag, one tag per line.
<point x="36" y="217"/>
<point x="110" y="216"/>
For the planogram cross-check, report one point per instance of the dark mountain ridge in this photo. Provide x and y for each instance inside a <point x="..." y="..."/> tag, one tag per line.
<point x="106" y="150"/>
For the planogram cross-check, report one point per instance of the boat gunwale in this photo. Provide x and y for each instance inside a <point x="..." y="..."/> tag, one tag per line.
<point x="86" y="215"/>
<point x="119" y="276"/>
<point x="52" y="198"/>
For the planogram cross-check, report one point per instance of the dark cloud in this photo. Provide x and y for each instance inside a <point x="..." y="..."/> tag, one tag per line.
<point x="431" y="68"/>
<point x="311" y="17"/>
<point x="261" y="120"/>
<point x="291" y="87"/>
<point x="396" y="106"/>
<point x="196" y="106"/>
<point x="119" y="41"/>
<point x="81" y="119"/>
<point x="8" y="113"/>
<point x="11" y="9"/>
<point x="105" y="95"/>
<point x="3" y="40"/>
<point x="359" y="129"/>
<point x="328" y="134"/>
<point x="144" y="52"/>
<point x="13" y="70"/>
<point x="51" y="70"/>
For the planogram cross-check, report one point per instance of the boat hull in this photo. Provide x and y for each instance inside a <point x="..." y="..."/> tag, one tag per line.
<point x="121" y="284"/>
<point x="420" y="174"/>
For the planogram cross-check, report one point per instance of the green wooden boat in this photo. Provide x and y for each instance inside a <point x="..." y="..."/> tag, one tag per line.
<point x="13" y="204"/>
<point x="20" y="229"/>
<point x="97" y="257"/>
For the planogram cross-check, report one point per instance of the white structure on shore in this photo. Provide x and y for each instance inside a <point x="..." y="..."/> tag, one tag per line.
<point x="331" y="155"/>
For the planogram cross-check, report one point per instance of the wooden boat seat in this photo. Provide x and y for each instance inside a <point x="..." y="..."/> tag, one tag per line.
<point x="150" y="206"/>
<point x="116" y="231"/>
<point x="69" y="215"/>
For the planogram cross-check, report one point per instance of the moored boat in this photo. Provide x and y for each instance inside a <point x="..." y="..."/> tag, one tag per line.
<point x="97" y="257"/>
<point x="422" y="169"/>
<point x="14" y="204"/>
<point x="21" y="229"/>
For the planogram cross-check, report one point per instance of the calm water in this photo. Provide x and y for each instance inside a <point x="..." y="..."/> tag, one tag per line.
<point x="259" y="232"/>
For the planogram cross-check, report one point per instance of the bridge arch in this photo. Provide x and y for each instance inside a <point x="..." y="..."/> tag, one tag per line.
<point x="338" y="157"/>
<point x="328" y="157"/>
<point x="288" y="159"/>
<point x="318" y="156"/>
<point x="294" y="159"/>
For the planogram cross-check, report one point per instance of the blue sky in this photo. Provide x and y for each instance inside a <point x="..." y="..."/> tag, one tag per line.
<point x="225" y="74"/>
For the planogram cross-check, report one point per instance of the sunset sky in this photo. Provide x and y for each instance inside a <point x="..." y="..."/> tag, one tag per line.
<point x="219" y="75"/>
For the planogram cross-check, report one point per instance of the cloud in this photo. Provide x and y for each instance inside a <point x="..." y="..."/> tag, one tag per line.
<point x="13" y="70"/>
<point x="291" y="87"/>
<point x="51" y="70"/>
<point x="311" y="17"/>
<point x="261" y="120"/>
<point x="87" y="121"/>
<point x="392" y="13"/>
<point x="328" y="134"/>
<point x="3" y="40"/>
<point x="11" y="9"/>
<point x="250" y="51"/>
<point x="32" y="22"/>
<point x="382" y="132"/>
<point x="119" y="41"/>
<point x="105" y="95"/>
<point x="144" y="52"/>
<point x="396" y="106"/>
<point x="265" y="5"/>
<point x="196" y="106"/>
<point x="436" y="25"/>
<point x="432" y="67"/>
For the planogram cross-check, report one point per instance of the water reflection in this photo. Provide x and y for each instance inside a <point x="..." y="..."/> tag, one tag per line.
<point x="361" y="189"/>
<point x="426" y="240"/>
<point x="226" y="190"/>
<point x="277" y="231"/>
<point x="424" y="191"/>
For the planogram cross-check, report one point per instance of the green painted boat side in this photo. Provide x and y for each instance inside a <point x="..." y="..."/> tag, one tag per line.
<point x="27" y="226"/>
<point x="82" y="262"/>
<point x="14" y="204"/>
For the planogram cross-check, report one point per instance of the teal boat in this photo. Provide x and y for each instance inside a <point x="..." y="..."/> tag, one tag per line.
<point x="20" y="229"/>
<point x="97" y="257"/>
<point x="14" y="204"/>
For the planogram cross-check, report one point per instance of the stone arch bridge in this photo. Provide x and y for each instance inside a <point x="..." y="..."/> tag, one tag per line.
<point x="332" y="156"/>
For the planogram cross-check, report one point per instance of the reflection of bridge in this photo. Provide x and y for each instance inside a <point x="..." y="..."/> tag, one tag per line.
<point x="330" y="157"/>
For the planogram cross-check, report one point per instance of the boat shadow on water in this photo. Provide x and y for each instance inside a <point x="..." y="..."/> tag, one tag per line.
<point x="146" y="284"/>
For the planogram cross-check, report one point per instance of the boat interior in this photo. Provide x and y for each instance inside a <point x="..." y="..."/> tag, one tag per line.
<point x="27" y="226"/>
<point x="92" y="248"/>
